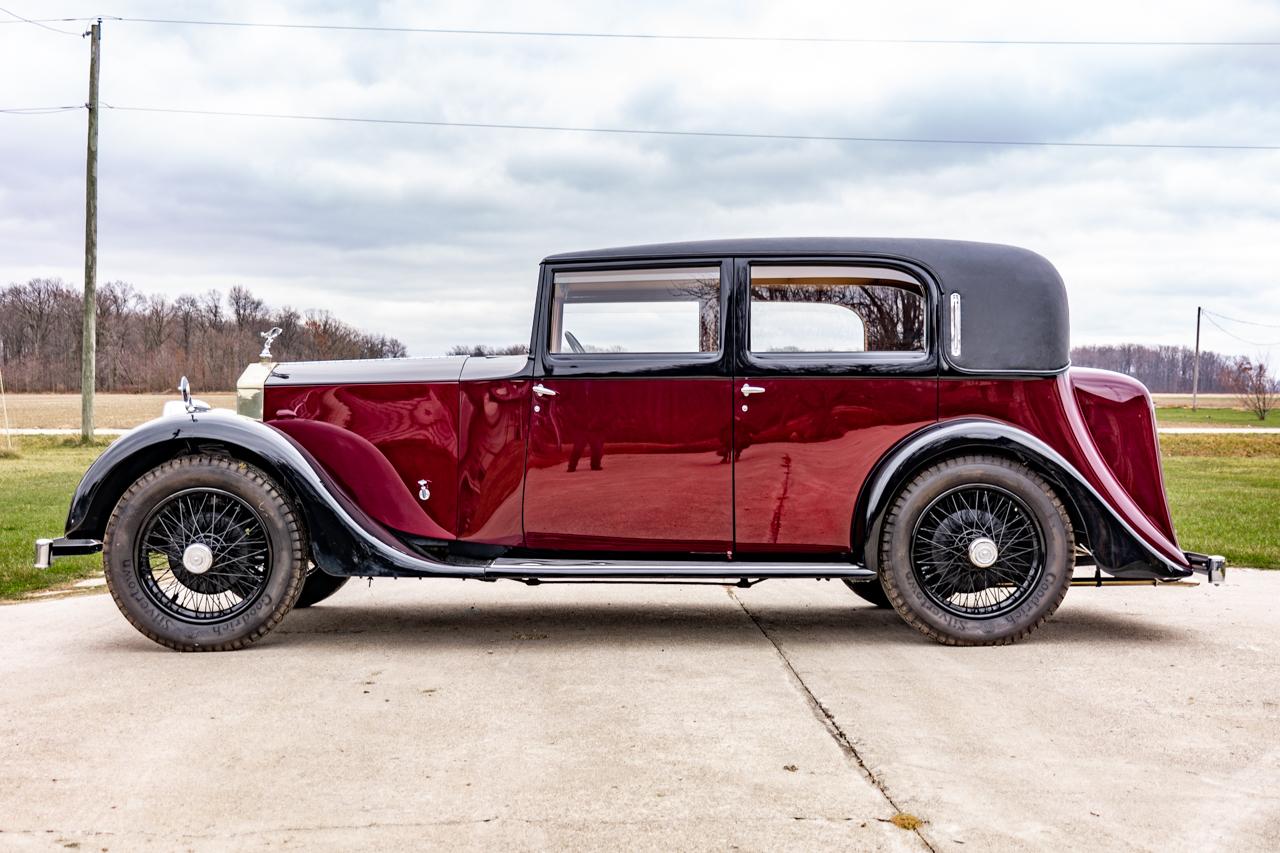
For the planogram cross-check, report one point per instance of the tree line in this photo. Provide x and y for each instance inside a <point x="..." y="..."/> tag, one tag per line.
<point x="145" y="342"/>
<point x="1163" y="369"/>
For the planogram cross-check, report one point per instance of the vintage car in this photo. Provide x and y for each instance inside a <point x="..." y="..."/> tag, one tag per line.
<point x="899" y="415"/>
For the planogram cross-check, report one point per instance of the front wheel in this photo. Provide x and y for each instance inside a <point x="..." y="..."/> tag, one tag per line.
<point x="204" y="553"/>
<point x="871" y="591"/>
<point x="976" y="550"/>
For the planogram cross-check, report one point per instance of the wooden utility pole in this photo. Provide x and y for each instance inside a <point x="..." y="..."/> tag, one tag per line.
<point x="89" y="343"/>
<point x="1195" y="367"/>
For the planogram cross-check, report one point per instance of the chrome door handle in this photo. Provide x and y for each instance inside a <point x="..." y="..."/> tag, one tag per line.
<point x="543" y="391"/>
<point x="749" y="389"/>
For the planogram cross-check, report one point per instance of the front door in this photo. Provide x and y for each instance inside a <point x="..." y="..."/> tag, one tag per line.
<point x="835" y="367"/>
<point x="631" y="433"/>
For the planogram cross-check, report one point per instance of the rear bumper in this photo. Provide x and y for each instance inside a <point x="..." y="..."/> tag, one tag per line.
<point x="48" y="550"/>
<point x="1213" y="567"/>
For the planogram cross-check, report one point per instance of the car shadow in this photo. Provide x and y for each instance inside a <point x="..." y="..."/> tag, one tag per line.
<point x="594" y="623"/>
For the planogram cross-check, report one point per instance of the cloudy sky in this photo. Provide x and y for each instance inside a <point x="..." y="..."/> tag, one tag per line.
<point x="433" y="235"/>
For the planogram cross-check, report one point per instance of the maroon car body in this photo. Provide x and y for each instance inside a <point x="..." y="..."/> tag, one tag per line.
<point x="724" y="420"/>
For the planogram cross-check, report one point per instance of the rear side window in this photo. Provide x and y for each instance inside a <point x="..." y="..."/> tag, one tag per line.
<point x="674" y="310"/>
<point x="831" y="309"/>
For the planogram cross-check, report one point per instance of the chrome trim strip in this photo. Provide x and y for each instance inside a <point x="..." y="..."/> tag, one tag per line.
<point x="507" y="567"/>
<point x="368" y="371"/>
<point x="488" y="367"/>
<point x="955" y="325"/>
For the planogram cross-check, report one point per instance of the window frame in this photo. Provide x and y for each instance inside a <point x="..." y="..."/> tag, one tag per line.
<point x="629" y="363"/>
<point x="923" y="362"/>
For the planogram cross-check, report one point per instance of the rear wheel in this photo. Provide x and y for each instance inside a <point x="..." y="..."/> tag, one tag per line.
<point x="976" y="550"/>
<point x="319" y="586"/>
<point x="204" y="553"/>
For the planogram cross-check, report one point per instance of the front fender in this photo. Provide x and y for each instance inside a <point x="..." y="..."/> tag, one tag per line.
<point x="1116" y="544"/>
<point x="344" y="539"/>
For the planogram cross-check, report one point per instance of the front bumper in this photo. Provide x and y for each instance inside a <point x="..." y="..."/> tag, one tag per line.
<point x="48" y="550"/>
<point x="1213" y="567"/>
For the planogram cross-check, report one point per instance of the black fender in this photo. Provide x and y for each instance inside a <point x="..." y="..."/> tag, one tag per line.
<point x="1115" y="545"/>
<point x="344" y="540"/>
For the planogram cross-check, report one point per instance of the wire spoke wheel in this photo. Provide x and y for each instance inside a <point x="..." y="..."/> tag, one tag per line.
<point x="978" y="551"/>
<point x="203" y="555"/>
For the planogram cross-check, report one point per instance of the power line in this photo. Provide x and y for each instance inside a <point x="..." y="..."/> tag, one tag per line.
<point x="568" y="34"/>
<point x="1246" y="322"/>
<point x="1238" y="338"/>
<point x="38" y="23"/>
<point x="39" y="111"/>
<point x="630" y="131"/>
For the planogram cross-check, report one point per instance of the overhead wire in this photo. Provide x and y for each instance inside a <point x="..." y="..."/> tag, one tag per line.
<point x="41" y="23"/>
<point x="1239" y="338"/>
<point x="718" y="134"/>
<point x="36" y="111"/>
<point x="1246" y="322"/>
<point x="645" y="36"/>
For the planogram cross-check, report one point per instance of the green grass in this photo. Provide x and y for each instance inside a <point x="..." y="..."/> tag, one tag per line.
<point x="35" y="487"/>
<point x="1224" y="493"/>
<point x="1184" y="416"/>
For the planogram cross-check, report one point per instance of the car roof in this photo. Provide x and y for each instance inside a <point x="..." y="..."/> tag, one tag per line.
<point x="1013" y="303"/>
<point x="908" y="248"/>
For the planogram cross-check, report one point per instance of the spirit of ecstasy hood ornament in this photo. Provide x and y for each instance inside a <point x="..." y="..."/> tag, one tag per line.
<point x="267" y="339"/>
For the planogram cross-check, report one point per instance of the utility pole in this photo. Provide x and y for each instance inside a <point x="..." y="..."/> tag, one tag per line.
<point x="89" y="343"/>
<point x="1195" y="367"/>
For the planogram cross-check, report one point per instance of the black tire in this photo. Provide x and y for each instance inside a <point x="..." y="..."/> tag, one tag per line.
<point x="942" y="586"/>
<point x="317" y="587"/>
<point x="247" y="580"/>
<point x="870" y="591"/>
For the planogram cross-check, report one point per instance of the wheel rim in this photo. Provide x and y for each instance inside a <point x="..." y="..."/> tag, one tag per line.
<point x="977" y="551"/>
<point x="203" y="556"/>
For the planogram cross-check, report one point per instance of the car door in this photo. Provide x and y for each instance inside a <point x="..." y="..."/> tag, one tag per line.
<point x="631" y="433"/>
<point x="835" y="365"/>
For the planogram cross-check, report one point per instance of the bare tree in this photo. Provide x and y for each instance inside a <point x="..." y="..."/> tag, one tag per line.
<point x="146" y="342"/>
<point x="486" y="349"/>
<point x="1254" y="386"/>
<point x="1166" y="369"/>
<point x="246" y="309"/>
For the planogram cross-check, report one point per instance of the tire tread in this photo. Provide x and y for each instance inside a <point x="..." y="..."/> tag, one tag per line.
<point x="899" y="601"/>
<point x="297" y="545"/>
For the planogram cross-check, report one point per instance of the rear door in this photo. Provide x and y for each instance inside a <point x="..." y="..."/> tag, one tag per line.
<point x="631" y="432"/>
<point x="835" y="365"/>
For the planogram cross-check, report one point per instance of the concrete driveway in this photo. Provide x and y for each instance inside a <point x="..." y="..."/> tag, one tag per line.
<point x="787" y="716"/>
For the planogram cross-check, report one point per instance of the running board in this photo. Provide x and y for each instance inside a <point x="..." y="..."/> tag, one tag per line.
<point x="522" y="567"/>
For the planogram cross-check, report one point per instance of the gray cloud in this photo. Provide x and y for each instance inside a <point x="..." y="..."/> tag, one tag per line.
<point x="434" y="235"/>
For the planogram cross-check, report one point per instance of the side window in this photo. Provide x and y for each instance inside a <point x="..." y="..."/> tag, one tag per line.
<point x="674" y="310"/>
<point x="826" y="309"/>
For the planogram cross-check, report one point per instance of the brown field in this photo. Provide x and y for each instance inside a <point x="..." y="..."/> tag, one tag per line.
<point x="111" y="411"/>
<point x="1204" y="401"/>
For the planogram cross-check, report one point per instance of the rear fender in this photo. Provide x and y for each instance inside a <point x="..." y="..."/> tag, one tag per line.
<point x="1116" y="545"/>
<point x="344" y="539"/>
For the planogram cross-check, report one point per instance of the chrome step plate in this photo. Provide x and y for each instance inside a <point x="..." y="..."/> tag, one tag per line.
<point x="521" y="567"/>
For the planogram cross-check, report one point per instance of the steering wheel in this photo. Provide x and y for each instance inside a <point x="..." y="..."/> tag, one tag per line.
<point x="573" y="342"/>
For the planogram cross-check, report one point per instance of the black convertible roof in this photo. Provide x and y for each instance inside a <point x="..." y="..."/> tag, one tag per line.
<point x="1013" y="304"/>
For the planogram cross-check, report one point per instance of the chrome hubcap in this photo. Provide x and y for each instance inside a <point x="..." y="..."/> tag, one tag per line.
<point x="197" y="558"/>
<point x="983" y="552"/>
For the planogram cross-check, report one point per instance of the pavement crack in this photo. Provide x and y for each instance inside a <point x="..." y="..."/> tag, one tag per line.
<point x="826" y="718"/>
